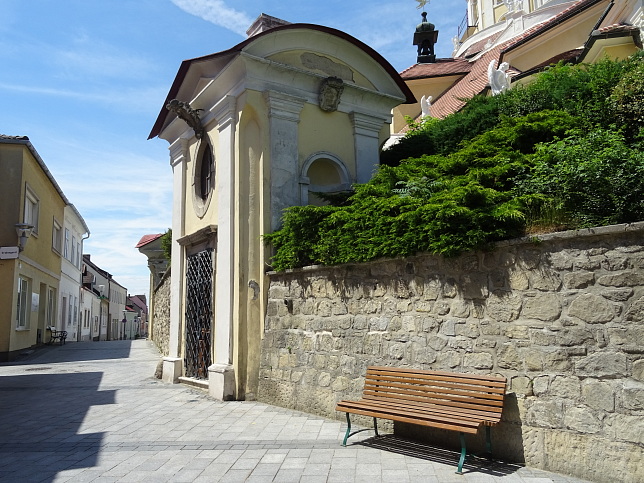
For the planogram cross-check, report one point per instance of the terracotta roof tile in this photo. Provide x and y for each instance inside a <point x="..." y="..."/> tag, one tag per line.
<point x="442" y="67"/>
<point x="148" y="239"/>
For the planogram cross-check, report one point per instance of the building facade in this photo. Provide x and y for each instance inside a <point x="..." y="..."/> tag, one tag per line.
<point x="30" y="267"/>
<point x="291" y="111"/>
<point x="515" y="39"/>
<point x="74" y="232"/>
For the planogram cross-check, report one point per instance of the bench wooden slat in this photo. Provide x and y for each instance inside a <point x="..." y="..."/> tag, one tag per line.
<point x="437" y="413"/>
<point x="431" y="391"/>
<point x="491" y="380"/>
<point x="462" y="386"/>
<point x="481" y="414"/>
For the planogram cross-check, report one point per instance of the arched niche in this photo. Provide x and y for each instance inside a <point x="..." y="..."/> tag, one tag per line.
<point x="322" y="173"/>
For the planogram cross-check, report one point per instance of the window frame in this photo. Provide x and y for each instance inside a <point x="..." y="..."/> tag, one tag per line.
<point x="23" y="303"/>
<point x="31" y="211"/>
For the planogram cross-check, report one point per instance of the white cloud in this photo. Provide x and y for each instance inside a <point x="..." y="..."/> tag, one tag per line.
<point x="216" y="12"/>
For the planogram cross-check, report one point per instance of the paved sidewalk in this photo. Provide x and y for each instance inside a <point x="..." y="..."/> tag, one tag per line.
<point x="93" y="412"/>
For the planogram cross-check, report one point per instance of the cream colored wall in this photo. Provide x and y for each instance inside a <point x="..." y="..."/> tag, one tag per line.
<point x="614" y="52"/>
<point x="328" y="66"/>
<point x="567" y="36"/>
<point x="251" y="254"/>
<point x="193" y="222"/>
<point x="420" y="87"/>
<point x="318" y="130"/>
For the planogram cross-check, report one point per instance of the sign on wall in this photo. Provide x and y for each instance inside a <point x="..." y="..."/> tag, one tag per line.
<point x="7" y="253"/>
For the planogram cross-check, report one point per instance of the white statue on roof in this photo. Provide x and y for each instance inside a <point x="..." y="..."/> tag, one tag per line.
<point x="498" y="78"/>
<point x="425" y="106"/>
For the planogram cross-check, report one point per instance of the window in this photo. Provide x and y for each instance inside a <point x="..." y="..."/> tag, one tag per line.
<point x="57" y="237"/>
<point x="63" y="316"/>
<point x="78" y="255"/>
<point x="31" y="209"/>
<point x="72" y="255"/>
<point x="22" y="309"/>
<point x="50" y="309"/>
<point x="66" y="252"/>
<point x="71" y="311"/>
<point x="205" y="174"/>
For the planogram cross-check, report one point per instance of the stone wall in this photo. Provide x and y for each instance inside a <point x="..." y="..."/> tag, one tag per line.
<point x="561" y="316"/>
<point x="161" y="317"/>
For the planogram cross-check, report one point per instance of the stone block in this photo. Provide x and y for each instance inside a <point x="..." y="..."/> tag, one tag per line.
<point x="635" y="312"/>
<point x="623" y="279"/>
<point x="602" y="364"/>
<point x="508" y="357"/>
<point x="633" y="395"/>
<point x="533" y="359"/>
<point x="521" y="385"/>
<point x="578" y="280"/>
<point x="598" y="395"/>
<point x="638" y="370"/>
<point x="546" y="414"/>
<point x="566" y="387"/>
<point x="541" y="306"/>
<point x="540" y="385"/>
<point x="478" y="360"/>
<point x="582" y="420"/>
<point x="503" y="306"/>
<point x="545" y="280"/>
<point x="592" y="309"/>
<point x="622" y="427"/>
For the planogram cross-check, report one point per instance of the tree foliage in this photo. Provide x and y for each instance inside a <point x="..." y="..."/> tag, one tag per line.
<point x="559" y="153"/>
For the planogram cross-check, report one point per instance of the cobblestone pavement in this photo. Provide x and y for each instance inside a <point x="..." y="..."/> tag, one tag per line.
<point x="93" y="412"/>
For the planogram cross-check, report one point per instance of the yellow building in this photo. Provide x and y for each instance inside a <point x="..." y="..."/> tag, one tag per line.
<point x="30" y="268"/>
<point x="515" y="39"/>
<point x="293" y="110"/>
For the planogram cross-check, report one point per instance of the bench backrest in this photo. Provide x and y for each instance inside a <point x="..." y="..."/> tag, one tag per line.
<point x="458" y="392"/>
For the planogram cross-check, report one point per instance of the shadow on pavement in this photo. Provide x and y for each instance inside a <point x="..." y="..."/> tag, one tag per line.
<point x="74" y="352"/>
<point x="40" y="417"/>
<point x="473" y="464"/>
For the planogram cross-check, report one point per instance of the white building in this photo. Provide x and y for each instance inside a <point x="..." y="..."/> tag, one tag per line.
<point x="73" y="232"/>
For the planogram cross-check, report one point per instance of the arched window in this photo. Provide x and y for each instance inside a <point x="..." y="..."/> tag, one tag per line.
<point x="203" y="177"/>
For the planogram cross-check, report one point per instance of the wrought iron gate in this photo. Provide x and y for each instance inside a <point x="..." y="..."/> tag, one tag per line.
<point x="198" y="314"/>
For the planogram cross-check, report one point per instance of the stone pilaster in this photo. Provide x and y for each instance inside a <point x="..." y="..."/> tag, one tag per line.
<point x="366" y="129"/>
<point x="284" y="116"/>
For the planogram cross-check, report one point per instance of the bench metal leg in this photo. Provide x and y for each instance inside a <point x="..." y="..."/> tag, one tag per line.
<point x="459" y="471"/>
<point x="375" y="426"/>
<point x="346" y="436"/>
<point x="488" y="442"/>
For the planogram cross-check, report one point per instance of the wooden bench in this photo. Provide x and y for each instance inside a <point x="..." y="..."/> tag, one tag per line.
<point x="56" y="335"/>
<point x="445" y="400"/>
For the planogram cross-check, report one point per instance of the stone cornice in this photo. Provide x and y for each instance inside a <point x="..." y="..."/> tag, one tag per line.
<point x="284" y="106"/>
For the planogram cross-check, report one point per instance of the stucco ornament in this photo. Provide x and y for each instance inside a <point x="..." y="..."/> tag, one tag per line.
<point x="425" y="106"/>
<point x="188" y="114"/>
<point x="498" y="78"/>
<point x="330" y="93"/>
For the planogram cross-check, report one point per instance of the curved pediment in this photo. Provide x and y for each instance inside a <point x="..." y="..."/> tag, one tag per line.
<point x="321" y="51"/>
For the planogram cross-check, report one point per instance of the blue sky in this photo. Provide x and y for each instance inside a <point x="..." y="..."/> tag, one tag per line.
<point x="86" y="79"/>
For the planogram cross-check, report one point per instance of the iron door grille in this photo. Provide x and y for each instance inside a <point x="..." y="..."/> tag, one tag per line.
<point x="198" y="314"/>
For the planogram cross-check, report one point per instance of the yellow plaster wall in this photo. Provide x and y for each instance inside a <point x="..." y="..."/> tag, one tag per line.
<point x="250" y="253"/>
<point x="333" y="67"/>
<point x="39" y="246"/>
<point x="318" y="130"/>
<point x="420" y="87"/>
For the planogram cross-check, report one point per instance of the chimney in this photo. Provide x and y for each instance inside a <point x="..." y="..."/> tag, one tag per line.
<point x="264" y="22"/>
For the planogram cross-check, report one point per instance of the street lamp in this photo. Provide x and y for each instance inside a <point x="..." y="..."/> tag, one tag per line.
<point x="124" y="322"/>
<point x="24" y="231"/>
